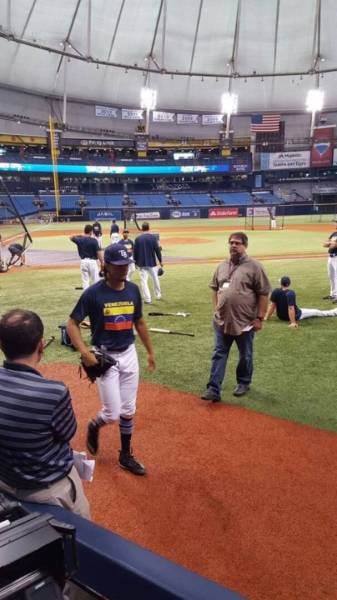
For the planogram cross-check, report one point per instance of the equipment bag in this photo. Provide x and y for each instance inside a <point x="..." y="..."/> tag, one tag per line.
<point x="65" y="339"/>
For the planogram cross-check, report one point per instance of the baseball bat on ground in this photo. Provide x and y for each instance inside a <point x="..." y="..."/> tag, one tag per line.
<point x="157" y="330"/>
<point x="169" y="314"/>
<point x="48" y="342"/>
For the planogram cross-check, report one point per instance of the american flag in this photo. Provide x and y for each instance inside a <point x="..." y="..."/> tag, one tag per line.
<point x="265" y="123"/>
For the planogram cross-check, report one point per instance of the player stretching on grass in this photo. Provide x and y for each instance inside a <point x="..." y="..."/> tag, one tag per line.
<point x="283" y="300"/>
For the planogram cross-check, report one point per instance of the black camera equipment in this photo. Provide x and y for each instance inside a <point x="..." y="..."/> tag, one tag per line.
<point x="37" y="553"/>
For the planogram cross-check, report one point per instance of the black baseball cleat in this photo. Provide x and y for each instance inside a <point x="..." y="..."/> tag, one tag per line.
<point x="127" y="461"/>
<point x="211" y="396"/>
<point x="328" y="297"/>
<point x="92" y="437"/>
<point x="241" y="389"/>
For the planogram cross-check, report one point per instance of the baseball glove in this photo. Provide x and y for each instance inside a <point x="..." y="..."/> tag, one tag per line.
<point x="104" y="362"/>
<point x="160" y="271"/>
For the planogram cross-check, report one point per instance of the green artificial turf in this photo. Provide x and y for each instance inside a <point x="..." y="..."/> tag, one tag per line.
<point x="294" y="369"/>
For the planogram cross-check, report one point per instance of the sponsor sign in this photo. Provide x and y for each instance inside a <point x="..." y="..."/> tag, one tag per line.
<point x="285" y="160"/>
<point x="106" y="111"/>
<point x="97" y="143"/>
<point x="132" y="113"/>
<point x="214" y="213"/>
<point x="185" y="213"/>
<point x="211" y="119"/>
<point x="187" y="119"/>
<point x="258" y="211"/>
<point x="148" y="215"/>
<point x="322" y="146"/>
<point x="183" y="155"/>
<point x="240" y="165"/>
<point x="103" y="214"/>
<point x="162" y="117"/>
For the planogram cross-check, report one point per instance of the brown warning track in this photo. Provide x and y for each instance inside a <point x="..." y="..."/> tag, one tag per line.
<point x="242" y="498"/>
<point x="188" y="228"/>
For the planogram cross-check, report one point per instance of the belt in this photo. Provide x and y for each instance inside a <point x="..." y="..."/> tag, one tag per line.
<point x="121" y="349"/>
<point x="87" y="258"/>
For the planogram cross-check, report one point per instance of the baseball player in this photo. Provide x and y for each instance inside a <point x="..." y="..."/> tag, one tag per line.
<point x="17" y="253"/>
<point x="89" y="252"/>
<point x="146" y="251"/>
<point x="331" y="244"/>
<point x="283" y="300"/>
<point x="98" y="233"/>
<point x="114" y="232"/>
<point x="114" y="307"/>
<point x="129" y="245"/>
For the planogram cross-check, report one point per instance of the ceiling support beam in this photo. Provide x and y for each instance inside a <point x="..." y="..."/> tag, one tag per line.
<point x="232" y="61"/>
<point x="163" y="39"/>
<point x="277" y="21"/>
<point x="9" y="15"/>
<point x="316" y="48"/>
<point x="196" y="34"/>
<point x="10" y="37"/>
<point x="116" y="29"/>
<point x="89" y="29"/>
<point x="67" y="38"/>
<point x="31" y="10"/>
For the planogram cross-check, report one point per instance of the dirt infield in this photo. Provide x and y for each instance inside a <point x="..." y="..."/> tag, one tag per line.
<point x="55" y="259"/>
<point x="323" y="227"/>
<point x="244" y="499"/>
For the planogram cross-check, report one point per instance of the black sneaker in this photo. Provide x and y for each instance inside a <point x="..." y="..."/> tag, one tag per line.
<point x="92" y="437"/>
<point x="328" y="297"/>
<point x="211" y="396"/>
<point x="127" y="461"/>
<point x="241" y="389"/>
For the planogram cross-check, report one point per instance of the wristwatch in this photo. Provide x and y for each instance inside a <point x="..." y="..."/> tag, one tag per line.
<point x="260" y="318"/>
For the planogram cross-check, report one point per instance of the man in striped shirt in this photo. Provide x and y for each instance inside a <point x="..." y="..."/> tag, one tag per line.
<point x="37" y="421"/>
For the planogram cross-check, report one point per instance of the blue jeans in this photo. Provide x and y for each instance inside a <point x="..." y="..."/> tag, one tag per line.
<point x="222" y="346"/>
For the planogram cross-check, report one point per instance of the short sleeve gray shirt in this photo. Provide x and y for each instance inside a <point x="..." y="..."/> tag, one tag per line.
<point x="238" y="289"/>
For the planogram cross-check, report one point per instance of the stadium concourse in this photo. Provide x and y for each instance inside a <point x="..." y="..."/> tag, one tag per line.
<point x="201" y="118"/>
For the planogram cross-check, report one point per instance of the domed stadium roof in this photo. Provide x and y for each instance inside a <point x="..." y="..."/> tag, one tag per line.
<point x="269" y="52"/>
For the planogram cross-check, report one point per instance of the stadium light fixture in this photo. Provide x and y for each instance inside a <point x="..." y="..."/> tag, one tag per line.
<point x="148" y="98"/>
<point x="314" y="103"/>
<point x="314" y="100"/>
<point x="229" y="107"/>
<point x="229" y="103"/>
<point x="148" y="101"/>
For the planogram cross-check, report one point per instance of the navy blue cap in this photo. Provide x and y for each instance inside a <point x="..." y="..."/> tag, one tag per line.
<point x="285" y="280"/>
<point x="116" y="254"/>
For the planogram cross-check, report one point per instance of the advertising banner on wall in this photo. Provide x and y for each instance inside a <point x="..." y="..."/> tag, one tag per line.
<point x="284" y="160"/>
<point x="211" y="119"/>
<point x="102" y="215"/>
<point x="134" y="114"/>
<point x="106" y="111"/>
<point x="215" y="213"/>
<point x="148" y="215"/>
<point x="185" y="213"/>
<point x="322" y="146"/>
<point x="187" y="119"/>
<point x="258" y="211"/>
<point x="162" y="117"/>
